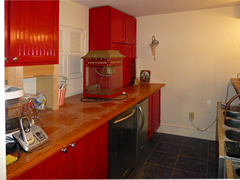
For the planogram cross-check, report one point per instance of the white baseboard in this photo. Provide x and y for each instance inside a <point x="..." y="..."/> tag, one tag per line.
<point x="187" y="131"/>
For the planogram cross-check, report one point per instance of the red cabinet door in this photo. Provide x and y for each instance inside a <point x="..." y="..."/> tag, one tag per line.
<point x="128" y="62"/>
<point x="52" y="168"/>
<point x="6" y="8"/>
<point x="130" y="30"/>
<point x="99" y="28"/>
<point x="34" y="29"/>
<point x="89" y="158"/>
<point x="154" y="113"/>
<point x="117" y="20"/>
<point x="110" y="28"/>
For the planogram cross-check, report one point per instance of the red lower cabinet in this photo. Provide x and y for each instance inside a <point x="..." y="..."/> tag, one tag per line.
<point x="87" y="158"/>
<point x="52" y="168"/>
<point x="154" y="113"/>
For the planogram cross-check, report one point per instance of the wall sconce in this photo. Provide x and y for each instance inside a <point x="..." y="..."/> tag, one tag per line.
<point x="153" y="46"/>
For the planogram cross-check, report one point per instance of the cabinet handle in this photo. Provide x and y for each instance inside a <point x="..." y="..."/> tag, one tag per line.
<point x="141" y="111"/>
<point x="64" y="150"/>
<point x="73" y="145"/>
<point x="126" y="117"/>
<point x="15" y="59"/>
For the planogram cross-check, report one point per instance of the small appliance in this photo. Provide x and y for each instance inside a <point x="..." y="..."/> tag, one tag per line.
<point x="14" y="107"/>
<point x="103" y="73"/>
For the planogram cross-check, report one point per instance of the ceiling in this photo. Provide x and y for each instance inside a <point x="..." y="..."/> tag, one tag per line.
<point x="152" y="7"/>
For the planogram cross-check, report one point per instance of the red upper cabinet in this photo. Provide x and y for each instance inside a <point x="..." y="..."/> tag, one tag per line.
<point x="112" y="29"/>
<point x="32" y="32"/>
<point x="117" y="22"/>
<point x="128" y="62"/>
<point x="130" y="35"/>
<point x="6" y="9"/>
<point x="123" y="27"/>
<point x="109" y="25"/>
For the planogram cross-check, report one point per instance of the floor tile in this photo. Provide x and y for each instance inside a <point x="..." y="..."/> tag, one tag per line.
<point x="163" y="159"/>
<point x="180" y="174"/>
<point x="144" y="154"/>
<point x="213" y="151"/>
<point x="136" y="170"/>
<point x="212" y="169"/>
<point x="213" y="147"/>
<point x="199" y="143"/>
<point x="170" y="148"/>
<point x="156" y="136"/>
<point x="151" y="171"/>
<point x="192" y="165"/>
<point x="152" y="143"/>
<point x="172" y="138"/>
<point x="170" y="156"/>
<point x="200" y="152"/>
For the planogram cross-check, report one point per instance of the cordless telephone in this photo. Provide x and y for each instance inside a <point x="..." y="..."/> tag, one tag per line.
<point x="26" y="131"/>
<point x="30" y="137"/>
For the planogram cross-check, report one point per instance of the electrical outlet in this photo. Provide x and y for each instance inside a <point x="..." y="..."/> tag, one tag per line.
<point x="191" y="116"/>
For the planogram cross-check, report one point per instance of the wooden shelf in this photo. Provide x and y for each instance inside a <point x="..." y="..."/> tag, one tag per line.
<point x="47" y="78"/>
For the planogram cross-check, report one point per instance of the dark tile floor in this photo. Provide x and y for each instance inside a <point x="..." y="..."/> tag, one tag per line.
<point x="176" y="157"/>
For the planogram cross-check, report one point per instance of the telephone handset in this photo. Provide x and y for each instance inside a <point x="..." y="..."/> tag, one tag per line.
<point x="30" y="137"/>
<point x="26" y="131"/>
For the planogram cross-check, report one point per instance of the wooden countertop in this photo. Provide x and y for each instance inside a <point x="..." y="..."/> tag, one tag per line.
<point x="236" y="84"/>
<point x="74" y="120"/>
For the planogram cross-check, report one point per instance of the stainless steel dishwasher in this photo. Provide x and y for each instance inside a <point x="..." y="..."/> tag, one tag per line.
<point x="142" y="125"/>
<point x="122" y="144"/>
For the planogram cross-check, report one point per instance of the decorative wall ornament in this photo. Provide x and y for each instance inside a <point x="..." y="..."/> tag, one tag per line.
<point x="145" y="75"/>
<point x="153" y="46"/>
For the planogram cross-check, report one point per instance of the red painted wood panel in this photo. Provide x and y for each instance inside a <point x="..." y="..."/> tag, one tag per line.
<point x="34" y="29"/>
<point x="118" y="27"/>
<point x="110" y="28"/>
<point x="52" y="168"/>
<point x="154" y="113"/>
<point x="6" y="6"/>
<point x="99" y="28"/>
<point x="130" y="30"/>
<point x="128" y="62"/>
<point x="89" y="158"/>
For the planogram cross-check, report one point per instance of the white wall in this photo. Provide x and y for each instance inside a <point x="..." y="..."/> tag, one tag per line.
<point x="73" y="15"/>
<point x="199" y="52"/>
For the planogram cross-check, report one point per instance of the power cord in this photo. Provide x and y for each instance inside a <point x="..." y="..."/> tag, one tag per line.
<point x="205" y="128"/>
<point x="215" y="119"/>
<point x="227" y="92"/>
<point x="89" y="99"/>
<point x="238" y="75"/>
